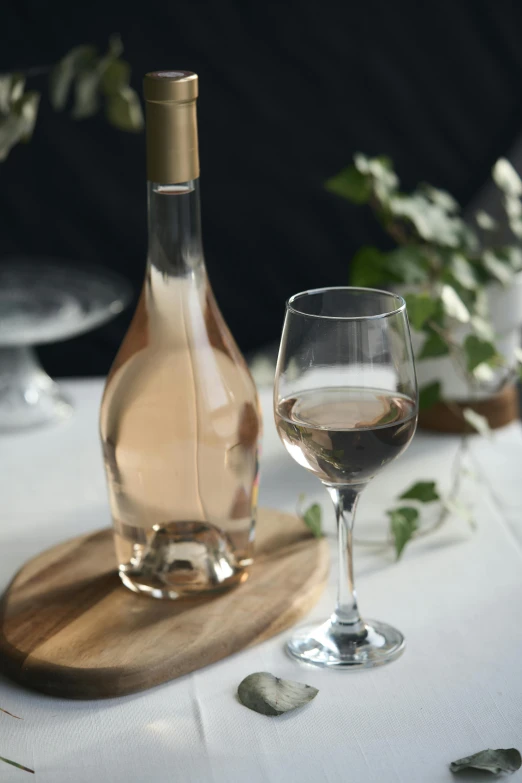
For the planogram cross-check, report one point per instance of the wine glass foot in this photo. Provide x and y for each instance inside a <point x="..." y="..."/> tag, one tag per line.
<point x="323" y="647"/>
<point x="28" y="396"/>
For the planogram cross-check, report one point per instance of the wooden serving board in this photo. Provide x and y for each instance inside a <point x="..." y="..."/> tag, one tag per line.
<point x="69" y="628"/>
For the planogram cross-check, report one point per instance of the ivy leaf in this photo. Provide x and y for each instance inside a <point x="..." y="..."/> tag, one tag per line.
<point x="351" y="184"/>
<point x="312" y="519"/>
<point x="269" y="695"/>
<point x="424" y="491"/>
<point x="420" y="308"/>
<point x="432" y="223"/>
<point x="495" y="761"/>
<point x="497" y="267"/>
<point x="384" y="180"/>
<point x="441" y="198"/>
<point x="477" y="351"/>
<point x="513" y="256"/>
<point x="19" y="766"/>
<point x="65" y="72"/>
<point x="403" y="524"/>
<point x="478" y="422"/>
<point x="453" y="305"/>
<point x="460" y="509"/>
<point x="463" y="272"/>
<point x="367" y="268"/>
<point x="429" y="395"/>
<point x="482" y="328"/>
<point x="485" y="221"/>
<point x="506" y="178"/>
<point x="407" y="264"/>
<point x="434" y="346"/>
<point x="484" y="373"/>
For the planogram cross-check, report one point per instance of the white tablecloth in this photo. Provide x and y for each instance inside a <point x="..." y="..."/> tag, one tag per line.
<point x="457" y="596"/>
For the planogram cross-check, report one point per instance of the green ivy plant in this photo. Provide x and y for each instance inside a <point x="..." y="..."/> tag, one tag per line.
<point x="443" y="264"/>
<point x="92" y="79"/>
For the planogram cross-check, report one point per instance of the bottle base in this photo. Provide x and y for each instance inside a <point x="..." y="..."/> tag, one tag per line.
<point x="136" y="583"/>
<point x="184" y="559"/>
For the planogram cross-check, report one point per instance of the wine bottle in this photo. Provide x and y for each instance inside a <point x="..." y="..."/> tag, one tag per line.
<point x="180" y="418"/>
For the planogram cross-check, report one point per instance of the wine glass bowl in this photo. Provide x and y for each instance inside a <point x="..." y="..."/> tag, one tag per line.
<point x="345" y="404"/>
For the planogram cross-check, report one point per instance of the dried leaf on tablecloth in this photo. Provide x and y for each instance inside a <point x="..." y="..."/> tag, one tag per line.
<point x="10" y="714"/>
<point x="269" y="695"/>
<point x="495" y="761"/>
<point x="14" y="764"/>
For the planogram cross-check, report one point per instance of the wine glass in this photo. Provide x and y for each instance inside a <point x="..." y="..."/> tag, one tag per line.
<point x="345" y="402"/>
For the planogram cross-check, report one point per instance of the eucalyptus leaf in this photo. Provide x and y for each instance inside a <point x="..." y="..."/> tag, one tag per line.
<point x="403" y="524"/>
<point x="485" y="221"/>
<point x="27" y="109"/>
<point x="312" y="519"/>
<point x="453" y="305"/>
<point x="351" y="184"/>
<point x="506" y="178"/>
<point x="477" y="351"/>
<point x="424" y="491"/>
<point x="497" y="268"/>
<point x="17" y="86"/>
<point x="19" y="766"/>
<point x="86" y="94"/>
<point x="478" y="422"/>
<point x="420" y="308"/>
<point x="433" y="347"/>
<point x="5" y="93"/>
<point x="12" y="129"/>
<point x="269" y="695"/>
<point x="65" y="72"/>
<point x="429" y="395"/>
<point x="124" y="110"/>
<point x="494" y="761"/>
<point x="115" y="46"/>
<point x="115" y="77"/>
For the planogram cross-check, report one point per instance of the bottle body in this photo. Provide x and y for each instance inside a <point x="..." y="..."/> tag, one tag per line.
<point x="180" y="422"/>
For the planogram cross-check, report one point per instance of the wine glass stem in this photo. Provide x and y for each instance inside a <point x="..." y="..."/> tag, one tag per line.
<point x="346" y="620"/>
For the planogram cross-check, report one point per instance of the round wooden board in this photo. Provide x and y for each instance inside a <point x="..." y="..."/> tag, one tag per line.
<point x="69" y="628"/>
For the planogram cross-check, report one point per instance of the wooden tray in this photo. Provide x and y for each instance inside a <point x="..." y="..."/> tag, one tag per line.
<point x="69" y="628"/>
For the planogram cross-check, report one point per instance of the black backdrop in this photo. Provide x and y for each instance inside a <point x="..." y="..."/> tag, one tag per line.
<point x="288" y="92"/>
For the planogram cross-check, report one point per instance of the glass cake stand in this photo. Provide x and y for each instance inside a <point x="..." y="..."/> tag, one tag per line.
<point x="44" y="301"/>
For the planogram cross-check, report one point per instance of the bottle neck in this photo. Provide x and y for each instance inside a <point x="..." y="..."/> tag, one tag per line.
<point x="175" y="246"/>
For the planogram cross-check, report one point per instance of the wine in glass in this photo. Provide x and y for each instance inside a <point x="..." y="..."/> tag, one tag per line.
<point x="345" y="404"/>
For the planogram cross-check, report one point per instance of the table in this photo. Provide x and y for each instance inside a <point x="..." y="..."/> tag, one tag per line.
<point x="456" y="595"/>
